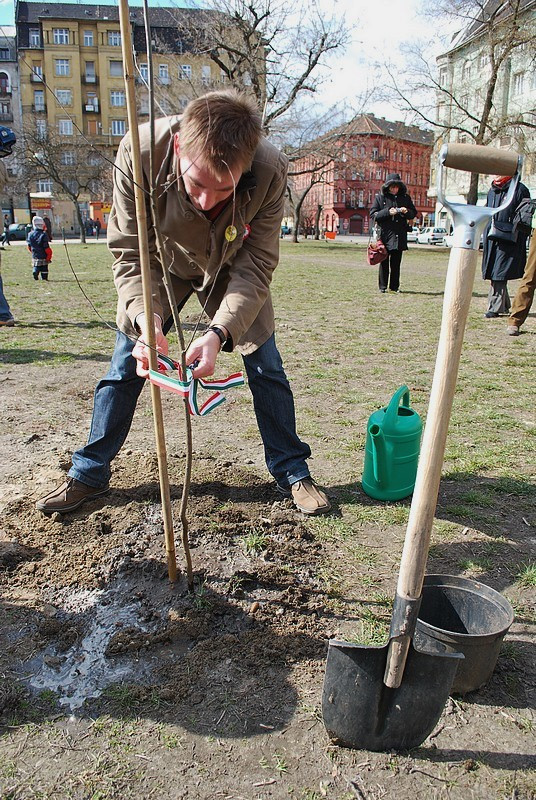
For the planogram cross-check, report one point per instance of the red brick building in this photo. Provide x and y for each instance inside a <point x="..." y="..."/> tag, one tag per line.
<point x="365" y="151"/>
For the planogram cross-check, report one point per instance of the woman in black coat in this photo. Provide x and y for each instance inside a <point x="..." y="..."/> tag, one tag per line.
<point x="392" y="210"/>
<point x="502" y="260"/>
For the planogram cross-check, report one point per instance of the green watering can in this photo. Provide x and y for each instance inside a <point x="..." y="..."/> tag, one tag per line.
<point x="392" y="449"/>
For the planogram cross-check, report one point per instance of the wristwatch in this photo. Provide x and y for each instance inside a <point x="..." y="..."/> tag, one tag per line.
<point x="219" y="333"/>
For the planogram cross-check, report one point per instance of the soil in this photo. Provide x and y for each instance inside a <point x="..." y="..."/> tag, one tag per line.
<point x="117" y="683"/>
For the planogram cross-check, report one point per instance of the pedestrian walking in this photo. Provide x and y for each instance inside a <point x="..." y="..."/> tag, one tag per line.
<point x="39" y="247"/>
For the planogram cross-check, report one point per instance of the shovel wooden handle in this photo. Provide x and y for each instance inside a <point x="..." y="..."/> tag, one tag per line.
<point x="484" y="160"/>
<point x="458" y="291"/>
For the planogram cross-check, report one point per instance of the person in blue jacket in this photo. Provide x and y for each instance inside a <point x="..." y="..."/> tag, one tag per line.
<point x="39" y="247"/>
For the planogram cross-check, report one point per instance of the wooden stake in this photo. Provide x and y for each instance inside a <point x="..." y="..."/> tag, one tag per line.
<point x="143" y="241"/>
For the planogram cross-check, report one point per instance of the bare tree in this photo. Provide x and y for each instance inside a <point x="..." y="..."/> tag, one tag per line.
<point x="260" y="45"/>
<point x="490" y="32"/>
<point x="65" y="160"/>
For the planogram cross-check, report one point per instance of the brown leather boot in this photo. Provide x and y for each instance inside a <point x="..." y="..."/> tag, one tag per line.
<point x="309" y="498"/>
<point x="67" y="497"/>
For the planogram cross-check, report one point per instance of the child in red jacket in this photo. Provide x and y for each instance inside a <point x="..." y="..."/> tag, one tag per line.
<point x="39" y="247"/>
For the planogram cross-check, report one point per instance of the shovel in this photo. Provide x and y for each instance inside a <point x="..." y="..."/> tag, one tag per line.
<point x="391" y="697"/>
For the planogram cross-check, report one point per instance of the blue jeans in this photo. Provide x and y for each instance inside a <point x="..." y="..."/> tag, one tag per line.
<point x="117" y="394"/>
<point x="5" y="311"/>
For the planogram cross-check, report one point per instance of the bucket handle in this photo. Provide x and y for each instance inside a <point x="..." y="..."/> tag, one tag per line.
<point x="391" y="412"/>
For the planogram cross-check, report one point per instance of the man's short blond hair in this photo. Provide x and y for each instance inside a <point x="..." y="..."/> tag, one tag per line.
<point x="222" y="129"/>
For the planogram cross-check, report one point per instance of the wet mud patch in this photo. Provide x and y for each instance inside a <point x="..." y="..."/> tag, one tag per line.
<point x="101" y="614"/>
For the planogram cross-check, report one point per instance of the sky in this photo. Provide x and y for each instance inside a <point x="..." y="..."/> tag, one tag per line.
<point x="381" y="26"/>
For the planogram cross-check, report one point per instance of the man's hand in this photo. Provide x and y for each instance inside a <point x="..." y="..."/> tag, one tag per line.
<point x="141" y="351"/>
<point x="203" y="352"/>
<point x="403" y="210"/>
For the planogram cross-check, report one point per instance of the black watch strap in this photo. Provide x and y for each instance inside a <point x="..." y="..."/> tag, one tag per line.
<point x="219" y="333"/>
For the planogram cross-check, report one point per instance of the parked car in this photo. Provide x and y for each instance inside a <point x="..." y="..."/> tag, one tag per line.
<point x="447" y="240"/>
<point x="285" y="230"/>
<point x="18" y="230"/>
<point x="412" y="234"/>
<point x="431" y="235"/>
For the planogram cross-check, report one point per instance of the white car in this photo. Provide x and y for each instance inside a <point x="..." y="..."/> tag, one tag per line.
<point x="431" y="235"/>
<point x="412" y="234"/>
<point x="448" y="240"/>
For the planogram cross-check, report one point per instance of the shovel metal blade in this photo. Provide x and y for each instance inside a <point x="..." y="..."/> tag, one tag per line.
<point x="361" y="712"/>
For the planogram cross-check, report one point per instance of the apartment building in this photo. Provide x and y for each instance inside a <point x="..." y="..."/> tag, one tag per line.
<point x="10" y="116"/>
<point x="464" y="74"/>
<point x="364" y="151"/>
<point x="72" y="78"/>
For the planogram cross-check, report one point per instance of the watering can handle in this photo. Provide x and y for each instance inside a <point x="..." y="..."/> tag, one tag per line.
<point x="391" y="412"/>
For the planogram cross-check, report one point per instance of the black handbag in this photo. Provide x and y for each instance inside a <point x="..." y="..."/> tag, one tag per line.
<point x="502" y="231"/>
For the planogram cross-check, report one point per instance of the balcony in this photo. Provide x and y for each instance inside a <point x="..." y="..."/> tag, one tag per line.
<point x="36" y="77"/>
<point x="90" y="79"/>
<point x="7" y="117"/>
<point x="164" y="80"/>
<point x="5" y="91"/>
<point x="91" y="108"/>
<point x="37" y="109"/>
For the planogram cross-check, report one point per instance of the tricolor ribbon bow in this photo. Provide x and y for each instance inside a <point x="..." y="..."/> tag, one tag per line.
<point x="188" y="388"/>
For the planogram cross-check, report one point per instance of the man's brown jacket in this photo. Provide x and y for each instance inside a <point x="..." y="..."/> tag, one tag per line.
<point x="236" y="275"/>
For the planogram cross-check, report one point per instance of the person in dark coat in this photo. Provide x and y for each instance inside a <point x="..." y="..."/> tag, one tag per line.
<point x="393" y="211"/>
<point x="502" y="260"/>
<point x="39" y="247"/>
<point x="48" y="227"/>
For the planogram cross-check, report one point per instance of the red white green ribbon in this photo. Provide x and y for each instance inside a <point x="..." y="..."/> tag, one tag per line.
<point x="188" y="388"/>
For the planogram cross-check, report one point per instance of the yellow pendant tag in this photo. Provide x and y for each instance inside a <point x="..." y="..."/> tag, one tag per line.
<point x="230" y="233"/>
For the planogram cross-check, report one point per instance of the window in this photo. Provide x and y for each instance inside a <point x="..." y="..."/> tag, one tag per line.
<point x="443" y="76"/>
<point x="483" y="60"/>
<point x="163" y="73"/>
<point x="4" y="53"/>
<point x="92" y="102"/>
<point x="185" y="72"/>
<point x="43" y="185"/>
<point x="519" y="81"/>
<point x="144" y="72"/>
<point x="400" y="156"/>
<point x="118" y="127"/>
<point x="354" y="174"/>
<point x="223" y="76"/>
<point x="408" y="158"/>
<point x="117" y="98"/>
<point x="466" y="71"/>
<point x="343" y="195"/>
<point x="378" y="174"/>
<point x="335" y="174"/>
<point x="335" y="197"/>
<point x="352" y="198"/>
<point x="354" y="151"/>
<point x="37" y="72"/>
<point x="67" y="158"/>
<point x="39" y="100"/>
<point x="114" y="38"/>
<point x="62" y="66"/>
<point x="361" y="200"/>
<point x="61" y="35"/>
<point x="116" y="69"/>
<point x="363" y="150"/>
<point x="88" y="38"/>
<point x="35" y="37"/>
<point x="72" y="185"/>
<point x="374" y="153"/>
<point x="64" y="97"/>
<point x="144" y="104"/>
<point x="65" y="127"/>
<point x="41" y="128"/>
<point x="165" y="106"/>
<point x="90" y="72"/>
<point x="205" y="74"/>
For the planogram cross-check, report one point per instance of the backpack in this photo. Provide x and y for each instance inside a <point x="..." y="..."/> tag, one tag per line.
<point x="522" y="219"/>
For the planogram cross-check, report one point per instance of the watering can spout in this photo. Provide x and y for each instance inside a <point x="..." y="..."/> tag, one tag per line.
<point x="380" y="462"/>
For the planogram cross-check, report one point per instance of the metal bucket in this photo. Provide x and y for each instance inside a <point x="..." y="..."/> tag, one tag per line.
<point x="458" y="615"/>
